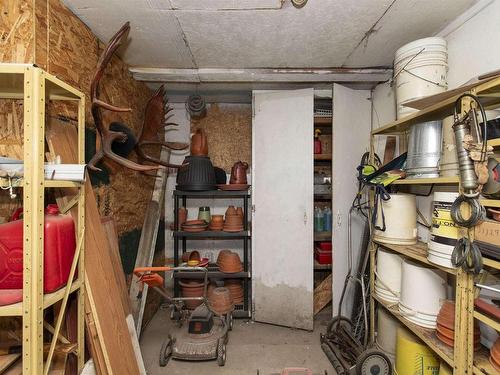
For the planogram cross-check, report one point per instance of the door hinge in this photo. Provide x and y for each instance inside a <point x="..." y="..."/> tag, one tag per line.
<point x="253" y="207"/>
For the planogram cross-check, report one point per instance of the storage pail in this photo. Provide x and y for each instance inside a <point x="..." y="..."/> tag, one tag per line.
<point x="387" y="327"/>
<point x="421" y="69"/>
<point x="400" y="214"/>
<point x="444" y="231"/>
<point x="421" y="304"/>
<point x="413" y="356"/>
<point x="424" y="150"/>
<point x="388" y="275"/>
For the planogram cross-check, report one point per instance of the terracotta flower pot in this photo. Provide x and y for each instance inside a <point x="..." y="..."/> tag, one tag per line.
<point x="199" y="144"/>
<point x="220" y="301"/>
<point x="230" y="263"/>
<point x="239" y="211"/>
<point x="182" y="215"/>
<point x="191" y="255"/>
<point x="239" y="173"/>
<point x="218" y="219"/>
<point x="230" y="211"/>
<point x="236" y="290"/>
<point x="222" y="255"/>
<point x="192" y="288"/>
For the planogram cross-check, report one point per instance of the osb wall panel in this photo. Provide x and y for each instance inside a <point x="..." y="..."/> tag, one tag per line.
<point x="65" y="47"/>
<point x="229" y="133"/>
<point x="16" y="31"/>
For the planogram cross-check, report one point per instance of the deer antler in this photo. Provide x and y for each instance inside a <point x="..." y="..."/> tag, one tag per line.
<point x="153" y="130"/>
<point x="108" y="136"/>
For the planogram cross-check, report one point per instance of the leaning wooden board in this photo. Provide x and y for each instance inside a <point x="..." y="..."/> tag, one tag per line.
<point x="115" y="339"/>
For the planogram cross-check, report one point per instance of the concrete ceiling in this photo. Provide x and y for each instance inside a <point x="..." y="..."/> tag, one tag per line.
<point x="266" y="33"/>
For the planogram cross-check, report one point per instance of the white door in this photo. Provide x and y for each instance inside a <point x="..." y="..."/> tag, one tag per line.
<point x="351" y="138"/>
<point x="282" y="188"/>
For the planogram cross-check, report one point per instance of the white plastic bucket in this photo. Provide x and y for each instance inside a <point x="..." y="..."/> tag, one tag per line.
<point x="422" y="291"/>
<point x="444" y="231"/>
<point x="400" y="220"/>
<point x="388" y="275"/>
<point x="387" y="327"/>
<point x="421" y="70"/>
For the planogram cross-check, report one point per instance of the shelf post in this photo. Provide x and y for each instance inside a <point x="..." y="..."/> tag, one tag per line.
<point x="33" y="220"/>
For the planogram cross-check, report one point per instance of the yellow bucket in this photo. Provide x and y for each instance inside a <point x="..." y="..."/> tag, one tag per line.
<point x="413" y="357"/>
<point x="444" y="369"/>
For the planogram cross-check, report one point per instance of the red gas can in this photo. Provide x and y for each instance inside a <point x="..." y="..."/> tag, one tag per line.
<point x="59" y="249"/>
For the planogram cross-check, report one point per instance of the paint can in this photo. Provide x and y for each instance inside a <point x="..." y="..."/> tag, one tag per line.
<point x="420" y="69"/>
<point x="421" y="305"/>
<point x="400" y="214"/>
<point x="413" y="356"/>
<point x="424" y="150"/>
<point x="444" y="231"/>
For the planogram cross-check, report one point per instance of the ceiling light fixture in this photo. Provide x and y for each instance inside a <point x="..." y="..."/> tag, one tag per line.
<point x="299" y="3"/>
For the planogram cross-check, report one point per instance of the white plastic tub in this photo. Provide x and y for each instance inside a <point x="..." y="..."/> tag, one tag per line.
<point x="421" y="69"/>
<point x="422" y="291"/>
<point x="400" y="220"/>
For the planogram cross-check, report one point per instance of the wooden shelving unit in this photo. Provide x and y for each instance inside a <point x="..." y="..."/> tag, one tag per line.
<point x="327" y="157"/>
<point x="462" y="357"/>
<point x="35" y="86"/>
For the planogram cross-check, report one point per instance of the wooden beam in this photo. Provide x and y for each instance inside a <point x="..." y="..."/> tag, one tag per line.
<point x="147" y="243"/>
<point x="323" y="294"/>
<point x="285" y="75"/>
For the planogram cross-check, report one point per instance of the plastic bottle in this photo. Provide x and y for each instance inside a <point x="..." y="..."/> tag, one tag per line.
<point x="318" y="219"/>
<point x="327" y="219"/>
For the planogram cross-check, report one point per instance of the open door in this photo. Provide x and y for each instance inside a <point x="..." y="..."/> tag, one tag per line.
<point x="351" y="138"/>
<point x="282" y="196"/>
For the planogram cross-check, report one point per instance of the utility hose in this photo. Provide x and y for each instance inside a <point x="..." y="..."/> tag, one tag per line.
<point x="477" y="211"/>
<point x="467" y="255"/>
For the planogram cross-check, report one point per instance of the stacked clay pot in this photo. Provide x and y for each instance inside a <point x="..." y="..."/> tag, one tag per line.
<point x="495" y="355"/>
<point x="192" y="288"/>
<point x="220" y="301"/>
<point x="229" y="262"/>
<point x="236" y="290"/>
<point x="445" y="329"/>
<point x="234" y="220"/>
<point x="217" y="223"/>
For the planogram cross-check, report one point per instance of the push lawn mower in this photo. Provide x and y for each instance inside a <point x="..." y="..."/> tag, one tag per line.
<point x="206" y="335"/>
<point x="348" y="355"/>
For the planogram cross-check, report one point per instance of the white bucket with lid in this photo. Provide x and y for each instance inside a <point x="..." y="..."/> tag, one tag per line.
<point x="388" y="275"/>
<point x="421" y="69"/>
<point x="400" y="220"/>
<point x="387" y="327"/>
<point x="422" y="291"/>
<point x="444" y="231"/>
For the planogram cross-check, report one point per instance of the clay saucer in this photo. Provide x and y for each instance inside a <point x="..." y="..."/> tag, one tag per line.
<point x="487" y="308"/>
<point x="231" y="230"/>
<point x="495" y="365"/>
<point x="233" y="187"/>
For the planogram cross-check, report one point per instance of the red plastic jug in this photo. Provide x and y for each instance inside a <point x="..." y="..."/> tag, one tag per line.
<point x="59" y="250"/>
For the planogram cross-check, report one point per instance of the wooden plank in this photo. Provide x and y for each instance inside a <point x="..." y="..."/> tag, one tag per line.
<point x="7" y="360"/>
<point x="323" y="294"/>
<point x="93" y="343"/>
<point x="100" y="278"/>
<point x="390" y="149"/>
<point x="15" y="369"/>
<point x="109" y="227"/>
<point x="147" y="243"/>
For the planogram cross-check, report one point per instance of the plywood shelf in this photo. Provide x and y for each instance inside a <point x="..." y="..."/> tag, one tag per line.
<point x="19" y="182"/>
<point x="416" y="252"/>
<point x="487" y="320"/>
<point x="482" y="365"/>
<point x="490" y="202"/>
<point x="427" y="181"/>
<point x="49" y="299"/>
<point x="323" y="121"/>
<point x="426" y="335"/>
<point x="491" y="263"/>
<point x="323" y="157"/>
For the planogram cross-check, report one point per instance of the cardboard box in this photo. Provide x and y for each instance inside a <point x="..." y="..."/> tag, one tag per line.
<point x="488" y="232"/>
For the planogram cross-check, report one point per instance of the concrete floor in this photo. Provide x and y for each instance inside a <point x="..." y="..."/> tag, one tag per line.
<point x="252" y="346"/>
